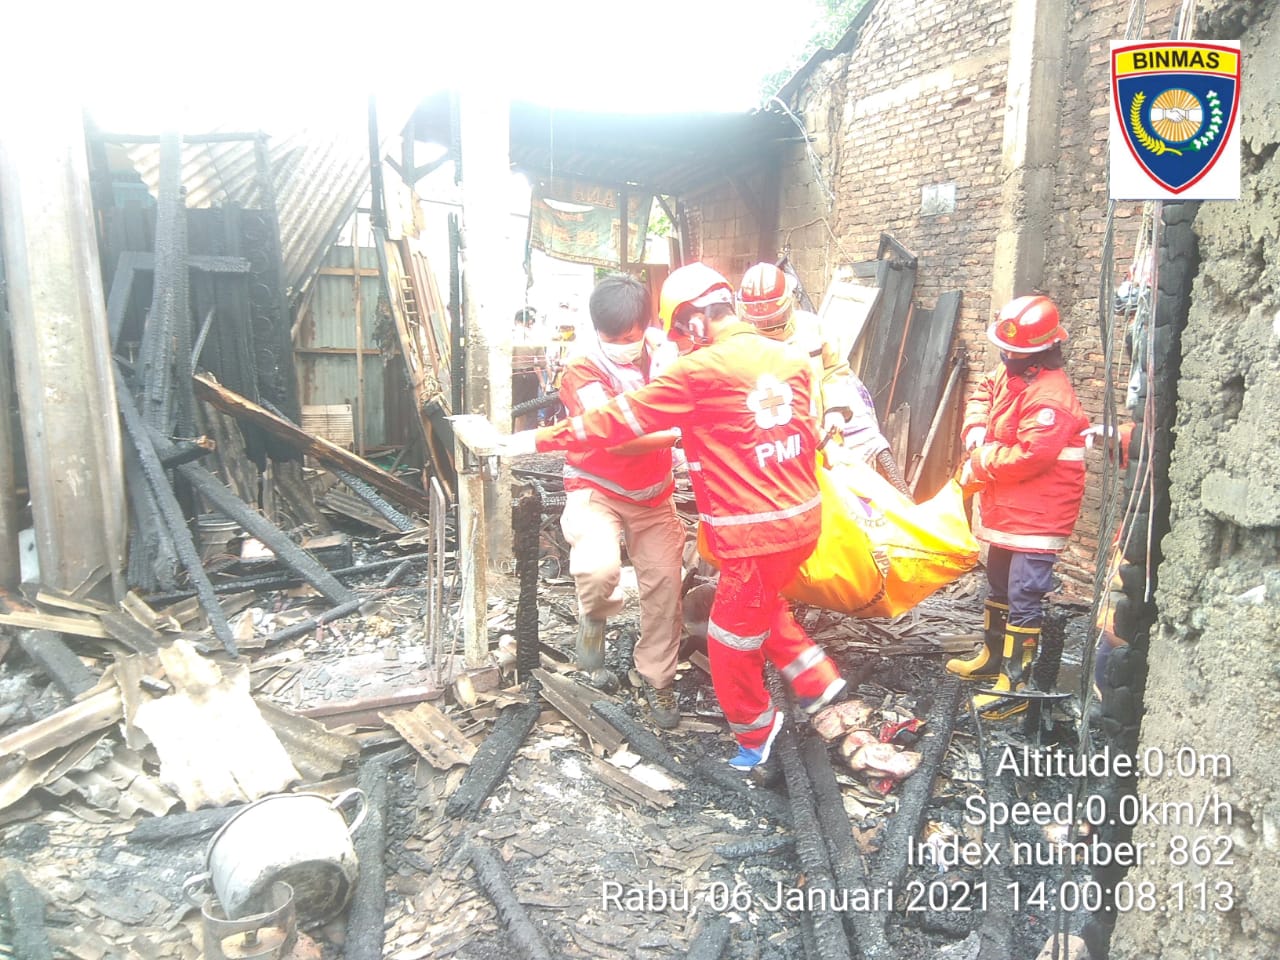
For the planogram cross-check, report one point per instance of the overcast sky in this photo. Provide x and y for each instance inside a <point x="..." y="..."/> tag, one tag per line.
<point x="143" y="63"/>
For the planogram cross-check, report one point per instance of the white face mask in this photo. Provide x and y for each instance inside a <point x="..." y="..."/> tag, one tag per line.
<point x="622" y="353"/>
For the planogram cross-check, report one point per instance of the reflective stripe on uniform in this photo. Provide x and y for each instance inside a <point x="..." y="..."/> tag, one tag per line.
<point x="629" y="415"/>
<point x="695" y="466"/>
<point x="733" y="640"/>
<point x="1037" y="542"/>
<point x="579" y="430"/>
<point x="808" y="658"/>
<point x="740" y="519"/>
<point x="759" y="723"/>
<point x="643" y="493"/>
<point x="1072" y="454"/>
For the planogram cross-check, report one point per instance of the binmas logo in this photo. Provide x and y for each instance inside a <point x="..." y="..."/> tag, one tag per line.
<point x="1174" y="131"/>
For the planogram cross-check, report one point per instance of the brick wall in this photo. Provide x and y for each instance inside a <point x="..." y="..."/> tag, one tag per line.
<point x="919" y="103"/>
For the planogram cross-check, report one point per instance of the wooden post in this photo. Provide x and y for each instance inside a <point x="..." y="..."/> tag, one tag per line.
<point x="355" y="293"/>
<point x="486" y="177"/>
<point x="475" y="441"/>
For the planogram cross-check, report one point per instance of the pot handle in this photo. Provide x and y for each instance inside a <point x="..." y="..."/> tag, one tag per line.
<point x="341" y="800"/>
<point x="191" y="883"/>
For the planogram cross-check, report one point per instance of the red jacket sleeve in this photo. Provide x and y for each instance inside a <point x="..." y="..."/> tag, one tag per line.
<point x="666" y="402"/>
<point x="1044" y="431"/>
<point x="977" y="409"/>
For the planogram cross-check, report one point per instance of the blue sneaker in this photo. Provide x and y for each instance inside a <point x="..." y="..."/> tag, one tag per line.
<point x="812" y="705"/>
<point x="749" y="758"/>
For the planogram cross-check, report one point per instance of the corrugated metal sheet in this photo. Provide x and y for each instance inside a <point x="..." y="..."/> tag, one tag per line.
<point x="318" y="177"/>
<point x="330" y="324"/>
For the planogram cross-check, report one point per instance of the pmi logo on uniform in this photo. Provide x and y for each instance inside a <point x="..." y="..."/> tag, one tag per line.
<point x="1174" y="133"/>
<point x="770" y="401"/>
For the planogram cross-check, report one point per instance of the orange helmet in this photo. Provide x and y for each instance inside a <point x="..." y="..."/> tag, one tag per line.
<point x="765" y="297"/>
<point x="1027" y="325"/>
<point x="694" y="283"/>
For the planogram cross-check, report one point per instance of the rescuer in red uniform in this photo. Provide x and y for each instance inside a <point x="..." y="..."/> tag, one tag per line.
<point x="624" y="491"/>
<point x="747" y="410"/>
<point x="1024" y="433"/>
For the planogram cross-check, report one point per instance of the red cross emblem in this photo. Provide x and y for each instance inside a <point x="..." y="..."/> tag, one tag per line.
<point x="770" y="401"/>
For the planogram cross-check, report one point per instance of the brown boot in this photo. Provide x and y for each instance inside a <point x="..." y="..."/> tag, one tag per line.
<point x="663" y="705"/>
<point x="588" y="652"/>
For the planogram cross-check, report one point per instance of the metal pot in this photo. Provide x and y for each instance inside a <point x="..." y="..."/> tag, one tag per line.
<point x="302" y="839"/>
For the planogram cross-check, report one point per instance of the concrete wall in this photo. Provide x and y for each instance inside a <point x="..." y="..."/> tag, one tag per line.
<point x="1212" y="684"/>
<point x="921" y="104"/>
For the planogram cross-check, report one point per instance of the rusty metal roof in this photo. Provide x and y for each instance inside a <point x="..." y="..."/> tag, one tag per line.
<point x="677" y="154"/>
<point x="318" y="177"/>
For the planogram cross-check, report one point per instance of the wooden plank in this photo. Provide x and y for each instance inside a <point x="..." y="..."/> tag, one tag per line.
<point x="327" y="453"/>
<point x="370" y="709"/>
<point x="24" y="616"/>
<point x="347" y="272"/>
<point x="435" y="736"/>
<point x="556" y="694"/>
<point x="629" y="786"/>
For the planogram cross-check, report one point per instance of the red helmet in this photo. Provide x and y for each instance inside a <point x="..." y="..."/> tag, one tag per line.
<point x="1027" y="325"/>
<point x="765" y="297"/>
<point x="694" y="283"/>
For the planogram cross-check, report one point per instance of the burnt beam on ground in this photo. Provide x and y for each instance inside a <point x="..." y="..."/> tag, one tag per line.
<point x="891" y="863"/>
<point x="303" y="627"/>
<point x="811" y="849"/>
<point x="174" y="827"/>
<point x="522" y="934"/>
<point x="711" y="941"/>
<point x="996" y="930"/>
<point x="366" y="917"/>
<point x="51" y="653"/>
<point x="846" y="859"/>
<point x="492" y="759"/>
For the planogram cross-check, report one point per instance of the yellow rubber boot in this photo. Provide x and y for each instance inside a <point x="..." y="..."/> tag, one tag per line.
<point x="1020" y="645"/>
<point x="985" y="664"/>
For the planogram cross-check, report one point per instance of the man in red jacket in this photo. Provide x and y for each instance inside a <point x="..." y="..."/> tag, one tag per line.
<point x="747" y="410"/>
<point x="624" y="491"/>
<point x="1024" y="433"/>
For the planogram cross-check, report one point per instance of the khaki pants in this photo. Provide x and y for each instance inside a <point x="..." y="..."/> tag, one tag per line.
<point x="592" y="525"/>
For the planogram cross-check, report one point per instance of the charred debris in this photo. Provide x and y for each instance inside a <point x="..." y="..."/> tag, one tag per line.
<point x="291" y="624"/>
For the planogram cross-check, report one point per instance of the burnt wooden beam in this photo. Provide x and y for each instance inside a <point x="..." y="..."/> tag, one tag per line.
<point x="366" y="917"/>
<point x="231" y="506"/>
<point x="303" y="627"/>
<point x="712" y="940"/>
<point x="811" y="848"/>
<point x="171" y="511"/>
<point x="185" y="451"/>
<point x="323" y="450"/>
<point x="173" y="827"/>
<point x="913" y="802"/>
<point x="523" y="936"/>
<point x="846" y="859"/>
<point x="492" y="759"/>
<point x="51" y="653"/>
